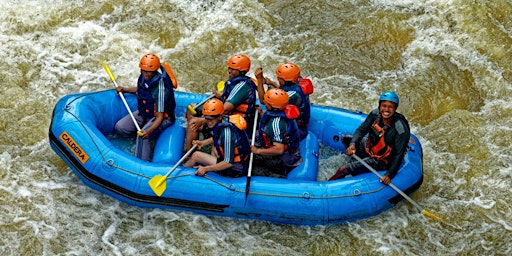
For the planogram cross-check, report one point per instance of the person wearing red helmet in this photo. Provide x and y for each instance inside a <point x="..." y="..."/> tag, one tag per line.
<point x="385" y="146"/>
<point x="155" y="105"/>
<point x="239" y="97"/>
<point x="288" y="75"/>
<point x="278" y="146"/>
<point x="230" y="151"/>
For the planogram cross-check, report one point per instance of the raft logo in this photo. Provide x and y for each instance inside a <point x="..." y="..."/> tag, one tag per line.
<point x="74" y="147"/>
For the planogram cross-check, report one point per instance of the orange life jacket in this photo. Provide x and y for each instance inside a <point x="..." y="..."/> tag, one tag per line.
<point x="380" y="150"/>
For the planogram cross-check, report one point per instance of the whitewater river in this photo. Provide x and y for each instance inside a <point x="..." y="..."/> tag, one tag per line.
<point x="450" y="61"/>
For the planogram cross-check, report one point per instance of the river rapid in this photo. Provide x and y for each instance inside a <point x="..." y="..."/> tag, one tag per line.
<point x="450" y="61"/>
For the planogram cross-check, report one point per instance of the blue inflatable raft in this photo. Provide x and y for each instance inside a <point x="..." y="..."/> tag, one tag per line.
<point x="80" y="133"/>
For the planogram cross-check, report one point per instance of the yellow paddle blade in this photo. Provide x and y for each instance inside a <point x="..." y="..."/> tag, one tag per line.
<point x="158" y="184"/>
<point x="192" y="109"/>
<point x="107" y="69"/>
<point x="220" y="86"/>
<point x="431" y="215"/>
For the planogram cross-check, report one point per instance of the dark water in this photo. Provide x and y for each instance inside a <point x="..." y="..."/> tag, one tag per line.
<point x="450" y="61"/>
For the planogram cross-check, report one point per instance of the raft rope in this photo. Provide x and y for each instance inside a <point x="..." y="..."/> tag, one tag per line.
<point x="305" y="195"/>
<point x="355" y="193"/>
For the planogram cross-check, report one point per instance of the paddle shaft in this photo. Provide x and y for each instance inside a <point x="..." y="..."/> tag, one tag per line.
<point x="390" y="184"/>
<point x="107" y="69"/>
<point x="251" y="156"/>
<point x="220" y="88"/>
<point x="180" y="161"/>
<point x="204" y="101"/>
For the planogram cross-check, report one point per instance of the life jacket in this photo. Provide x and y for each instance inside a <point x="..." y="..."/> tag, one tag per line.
<point x="145" y="101"/>
<point x="241" y="149"/>
<point x="306" y="85"/>
<point x="246" y="108"/>
<point x="304" y="108"/>
<point x="379" y="149"/>
<point x="291" y="138"/>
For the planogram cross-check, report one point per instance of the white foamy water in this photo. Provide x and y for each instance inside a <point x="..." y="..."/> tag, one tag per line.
<point x="448" y="60"/>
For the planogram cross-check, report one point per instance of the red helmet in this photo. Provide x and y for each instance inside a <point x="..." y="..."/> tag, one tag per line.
<point x="213" y="107"/>
<point x="277" y="98"/>
<point x="149" y="62"/>
<point x="240" y="62"/>
<point x="288" y="72"/>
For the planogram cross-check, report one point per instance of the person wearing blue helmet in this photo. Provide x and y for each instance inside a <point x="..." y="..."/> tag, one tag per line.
<point x="385" y="146"/>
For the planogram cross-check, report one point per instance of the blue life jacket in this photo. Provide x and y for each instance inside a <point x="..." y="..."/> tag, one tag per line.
<point x="246" y="108"/>
<point x="291" y="138"/>
<point x="241" y="149"/>
<point x="304" y="108"/>
<point x="147" y="104"/>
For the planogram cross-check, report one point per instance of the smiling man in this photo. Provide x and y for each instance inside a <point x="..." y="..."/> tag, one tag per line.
<point x="386" y="144"/>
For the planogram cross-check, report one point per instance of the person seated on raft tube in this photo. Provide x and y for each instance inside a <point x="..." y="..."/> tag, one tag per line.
<point x="155" y="105"/>
<point x="230" y="151"/>
<point x="239" y="96"/>
<point x="288" y="79"/>
<point x="385" y="147"/>
<point x="277" y="146"/>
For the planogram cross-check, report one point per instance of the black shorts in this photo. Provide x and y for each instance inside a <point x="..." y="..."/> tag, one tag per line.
<point x="206" y="131"/>
<point x="228" y="172"/>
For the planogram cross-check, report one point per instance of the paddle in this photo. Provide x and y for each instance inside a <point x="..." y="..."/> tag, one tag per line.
<point x="158" y="184"/>
<point x="251" y="156"/>
<point x="107" y="69"/>
<point x="425" y="212"/>
<point x="193" y="110"/>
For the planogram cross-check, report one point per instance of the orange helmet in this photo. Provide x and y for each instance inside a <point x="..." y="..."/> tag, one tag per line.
<point x="149" y="62"/>
<point x="288" y="72"/>
<point x="277" y="98"/>
<point x="213" y="107"/>
<point x="240" y="62"/>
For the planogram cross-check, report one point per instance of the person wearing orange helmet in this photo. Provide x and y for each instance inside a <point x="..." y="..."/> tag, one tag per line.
<point x="239" y="96"/>
<point x="386" y="144"/>
<point x="155" y="105"/>
<point x="288" y="75"/>
<point x="278" y="146"/>
<point x="230" y="151"/>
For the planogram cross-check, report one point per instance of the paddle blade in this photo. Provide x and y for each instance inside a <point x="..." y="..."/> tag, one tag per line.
<point x="107" y="69"/>
<point x="220" y="86"/>
<point x="431" y="215"/>
<point x="247" y="188"/>
<point x="158" y="184"/>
